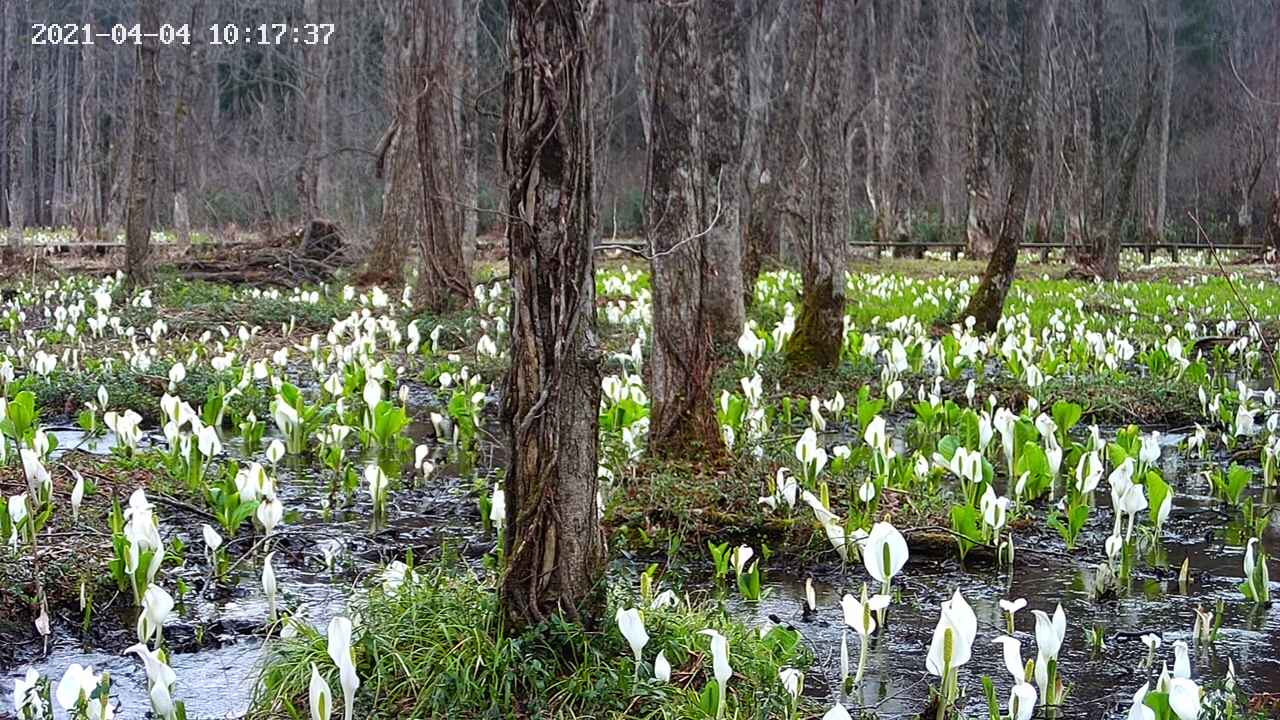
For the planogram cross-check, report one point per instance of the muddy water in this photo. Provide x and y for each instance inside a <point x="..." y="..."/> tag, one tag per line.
<point x="218" y="637"/>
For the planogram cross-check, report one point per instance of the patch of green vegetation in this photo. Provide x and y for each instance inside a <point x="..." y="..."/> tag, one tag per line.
<point x="436" y="648"/>
<point x="64" y="393"/>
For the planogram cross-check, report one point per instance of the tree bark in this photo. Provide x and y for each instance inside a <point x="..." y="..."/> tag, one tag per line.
<point x="142" y="161"/>
<point x="691" y="223"/>
<point x="1130" y="155"/>
<point x="554" y="546"/>
<point x="760" y="225"/>
<point x="396" y="156"/>
<point x="987" y="303"/>
<point x="1166" y="103"/>
<point x="819" y="333"/>
<point x="444" y="280"/>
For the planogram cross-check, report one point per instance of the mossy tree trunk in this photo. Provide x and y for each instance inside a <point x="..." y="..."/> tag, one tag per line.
<point x="142" y="161"/>
<point x="692" y="223"/>
<point x="554" y="546"/>
<point x="444" y="280"/>
<point x="987" y="303"/>
<point x="819" y="172"/>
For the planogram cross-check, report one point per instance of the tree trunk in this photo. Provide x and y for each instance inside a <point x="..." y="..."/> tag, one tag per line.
<point x="315" y="187"/>
<point x="142" y="161"/>
<point x="1166" y="102"/>
<point x="1095" y="225"/>
<point x="1130" y="155"/>
<point x="396" y="156"/>
<point x="987" y="303"/>
<point x="691" y="211"/>
<point x="554" y="546"/>
<point x="444" y="280"/>
<point x="468" y="122"/>
<point x="759" y="211"/>
<point x="819" y="333"/>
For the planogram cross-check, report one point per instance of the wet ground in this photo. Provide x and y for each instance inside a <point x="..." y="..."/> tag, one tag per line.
<point x="217" y="641"/>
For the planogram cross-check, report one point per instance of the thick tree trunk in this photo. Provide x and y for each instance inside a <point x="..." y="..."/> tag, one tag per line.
<point x="987" y="303"/>
<point x="444" y="280"/>
<point x="691" y="226"/>
<point x="468" y="122"/>
<point x="719" y="143"/>
<point x="759" y="211"/>
<point x="142" y="161"/>
<point x="819" y="333"/>
<point x="554" y="546"/>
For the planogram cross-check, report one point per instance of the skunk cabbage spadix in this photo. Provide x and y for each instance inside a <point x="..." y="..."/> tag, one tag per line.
<point x="320" y="696"/>
<point x="884" y="552"/>
<point x="1022" y="701"/>
<point x="859" y="615"/>
<point x="719" y="665"/>
<point x="953" y="636"/>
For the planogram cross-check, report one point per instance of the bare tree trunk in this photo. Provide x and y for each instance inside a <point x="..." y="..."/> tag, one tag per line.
<point x="1095" y="227"/>
<point x="315" y="187"/>
<point x="396" y="156"/>
<point x="819" y="333"/>
<point x="720" y="155"/>
<point x="1166" y="102"/>
<point x="1130" y="155"/>
<point x="980" y="144"/>
<point x="444" y="279"/>
<point x="468" y="122"/>
<point x="554" y="546"/>
<point x="760" y="225"/>
<point x="182" y="136"/>
<point x="987" y="303"/>
<point x="142" y="161"/>
<point x="692" y="213"/>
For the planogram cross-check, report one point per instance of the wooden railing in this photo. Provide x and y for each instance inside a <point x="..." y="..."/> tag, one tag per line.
<point x="955" y="247"/>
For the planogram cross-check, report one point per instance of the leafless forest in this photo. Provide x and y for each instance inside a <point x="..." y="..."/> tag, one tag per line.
<point x="1141" y="111"/>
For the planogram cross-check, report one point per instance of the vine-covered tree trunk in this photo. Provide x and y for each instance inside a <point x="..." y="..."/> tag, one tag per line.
<point x="987" y="303"/>
<point x="819" y="333"/>
<point x="142" y="162"/>
<point x="444" y="280"/>
<point x="692" y="228"/>
<point x="554" y="547"/>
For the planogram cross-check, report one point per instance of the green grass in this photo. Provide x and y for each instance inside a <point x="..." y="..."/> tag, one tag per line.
<point x="436" y="648"/>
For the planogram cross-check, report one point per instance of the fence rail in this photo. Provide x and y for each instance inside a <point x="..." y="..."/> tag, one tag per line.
<point x="955" y="247"/>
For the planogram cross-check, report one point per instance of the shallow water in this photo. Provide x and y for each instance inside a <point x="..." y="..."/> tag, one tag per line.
<point x="217" y="641"/>
<point x="896" y="683"/>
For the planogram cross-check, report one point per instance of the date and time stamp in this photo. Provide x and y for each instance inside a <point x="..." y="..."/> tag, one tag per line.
<point x="63" y="34"/>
